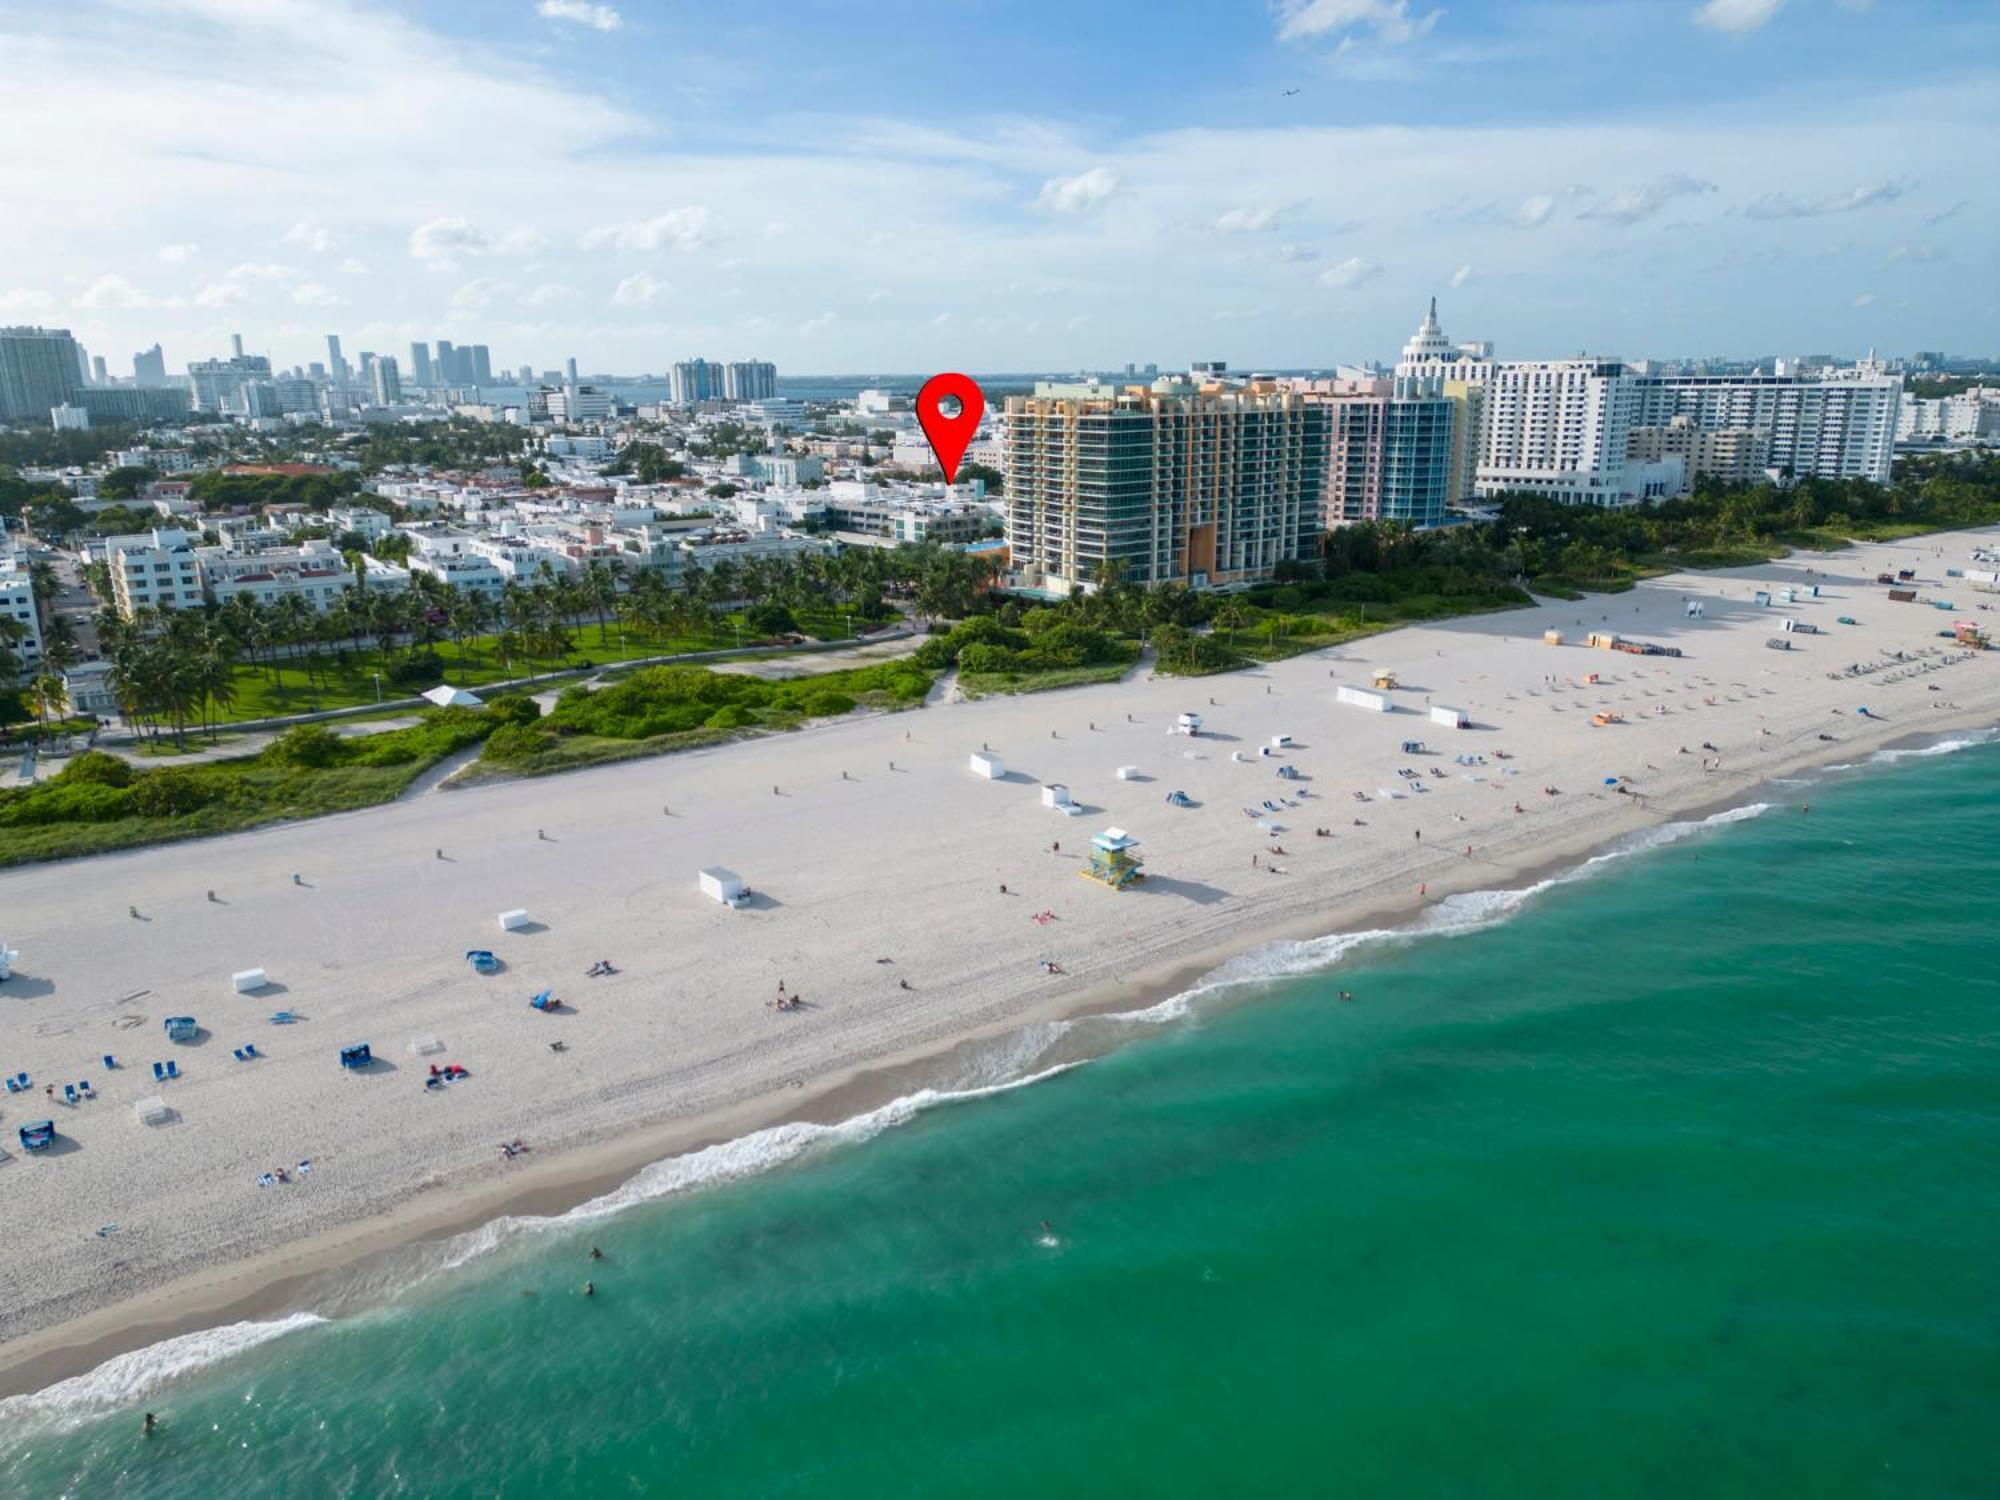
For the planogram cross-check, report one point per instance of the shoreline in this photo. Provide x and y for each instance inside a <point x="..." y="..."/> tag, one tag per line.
<point x="553" y="1185"/>
<point x="856" y="868"/>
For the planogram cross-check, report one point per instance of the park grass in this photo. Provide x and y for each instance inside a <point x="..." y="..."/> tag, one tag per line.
<point x="346" y="677"/>
<point x="58" y="819"/>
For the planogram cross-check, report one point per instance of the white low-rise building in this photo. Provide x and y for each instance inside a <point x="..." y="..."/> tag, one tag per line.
<point x="17" y="603"/>
<point x="157" y="569"/>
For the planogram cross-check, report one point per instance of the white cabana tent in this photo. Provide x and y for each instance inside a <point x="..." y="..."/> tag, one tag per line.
<point x="444" y="695"/>
<point x="247" y="981"/>
<point x="152" y="1110"/>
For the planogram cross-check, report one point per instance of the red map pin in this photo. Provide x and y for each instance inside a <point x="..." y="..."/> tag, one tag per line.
<point x="950" y="436"/>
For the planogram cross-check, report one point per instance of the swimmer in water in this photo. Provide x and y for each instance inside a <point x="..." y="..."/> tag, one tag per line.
<point x="590" y="1289"/>
<point x="151" y="1422"/>
<point x="595" y="1253"/>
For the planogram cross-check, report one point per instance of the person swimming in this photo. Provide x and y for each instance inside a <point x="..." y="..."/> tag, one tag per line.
<point x="595" y="1253"/>
<point x="151" y="1422"/>
<point x="590" y="1289"/>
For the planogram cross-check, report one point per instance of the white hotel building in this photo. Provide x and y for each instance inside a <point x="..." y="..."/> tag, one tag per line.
<point x="17" y="603"/>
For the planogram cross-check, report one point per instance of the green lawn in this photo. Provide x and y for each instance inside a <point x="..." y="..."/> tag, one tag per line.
<point x="66" y="817"/>
<point x="347" y="678"/>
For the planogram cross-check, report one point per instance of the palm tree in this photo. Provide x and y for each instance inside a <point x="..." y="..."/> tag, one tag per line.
<point x="51" y="698"/>
<point x="1232" y="616"/>
<point x="214" y="671"/>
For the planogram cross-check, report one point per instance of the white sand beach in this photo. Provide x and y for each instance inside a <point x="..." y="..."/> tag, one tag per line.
<point x="864" y="840"/>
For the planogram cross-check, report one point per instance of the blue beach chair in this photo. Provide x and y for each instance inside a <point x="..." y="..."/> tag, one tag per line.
<point x="173" y="1067"/>
<point x="250" y="1050"/>
<point x="237" y="1053"/>
<point x="110" y="1062"/>
<point x="69" y="1093"/>
<point x="159" y="1071"/>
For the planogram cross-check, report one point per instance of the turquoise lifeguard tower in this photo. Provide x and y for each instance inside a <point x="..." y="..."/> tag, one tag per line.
<point x="1112" y="861"/>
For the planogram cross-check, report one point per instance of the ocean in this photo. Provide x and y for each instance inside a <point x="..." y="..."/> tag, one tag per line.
<point x="1675" y="1175"/>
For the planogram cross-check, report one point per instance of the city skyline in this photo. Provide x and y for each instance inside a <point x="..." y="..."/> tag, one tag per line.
<point x="1279" y="186"/>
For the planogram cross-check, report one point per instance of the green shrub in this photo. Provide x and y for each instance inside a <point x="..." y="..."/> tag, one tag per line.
<point x="770" y="619"/>
<point x="984" y="658"/>
<point x="513" y="708"/>
<point x="95" y="768"/>
<point x="311" y="746"/>
<point x="513" y="742"/>
<point x="169" y="794"/>
<point x="730" y="716"/>
<point x="826" y="704"/>
<point x="419" y="670"/>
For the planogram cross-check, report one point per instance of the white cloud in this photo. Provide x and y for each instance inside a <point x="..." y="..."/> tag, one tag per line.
<point x="550" y="294"/>
<point x="1632" y="204"/>
<point x="1078" y="194"/>
<point x="1786" y="206"/>
<point x="1735" y="15"/>
<point x="1864" y="299"/>
<point x="597" y="17"/>
<point x="1535" y="210"/>
<point x="1385" y="20"/>
<point x="1297" y="253"/>
<point x="478" y="294"/>
<point x="439" y="244"/>
<point x="221" y="294"/>
<point x="353" y="267"/>
<point x="175" y="254"/>
<point x="1919" y="254"/>
<point x="314" y="236"/>
<point x="638" y="289"/>
<point x="1950" y="213"/>
<point x="816" y="325"/>
<point x="1351" y="272"/>
<point x="942" y="320"/>
<point x="113" y="292"/>
<point x="1459" y="277"/>
<point x="683" y="229"/>
<point x="1248" y="220"/>
<point x="315" y="294"/>
<point x="24" y="299"/>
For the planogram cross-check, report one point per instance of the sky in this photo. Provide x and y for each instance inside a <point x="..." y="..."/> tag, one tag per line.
<point x="999" y="185"/>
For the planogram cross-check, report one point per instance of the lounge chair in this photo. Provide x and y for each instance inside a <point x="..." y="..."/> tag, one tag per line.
<point x="110" y="1062"/>
<point x="250" y="1050"/>
<point x="86" y="1090"/>
<point x="69" y="1093"/>
<point x="159" y="1071"/>
<point x="21" y="1081"/>
<point x="13" y="1087"/>
<point x="173" y="1067"/>
<point x="237" y="1053"/>
<point x="283" y="1017"/>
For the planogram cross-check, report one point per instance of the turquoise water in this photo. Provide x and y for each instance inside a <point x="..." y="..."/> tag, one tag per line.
<point x="1680" y="1179"/>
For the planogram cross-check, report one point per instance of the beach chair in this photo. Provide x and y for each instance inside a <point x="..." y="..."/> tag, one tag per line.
<point x="159" y="1071"/>
<point x="173" y="1067"/>
<point x="86" y="1090"/>
<point x="110" y="1062"/>
<point x="283" y="1018"/>
<point x="250" y="1050"/>
<point x="21" y="1082"/>
<point x="13" y="1087"/>
<point x="237" y="1053"/>
<point x="69" y="1093"/>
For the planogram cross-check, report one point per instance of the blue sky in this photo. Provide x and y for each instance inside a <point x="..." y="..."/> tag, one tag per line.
<point x="900" y="186"/>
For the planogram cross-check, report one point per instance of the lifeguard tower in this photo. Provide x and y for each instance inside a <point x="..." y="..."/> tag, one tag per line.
<point x="1384" y="682"/>
<point x="1112" y="861"/>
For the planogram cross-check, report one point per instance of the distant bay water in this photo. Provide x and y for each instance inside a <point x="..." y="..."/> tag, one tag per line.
<point x="1678" y="1175"/>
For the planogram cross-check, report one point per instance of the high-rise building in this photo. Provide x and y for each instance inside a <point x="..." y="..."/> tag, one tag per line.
<point x="99" y="374"/>
<point x="694" y="380"/>
<point x="336" y="366"/>
<point x="1559" y="428"/>
<point x="236" y="345"/>
<point x="1840" y="424"/>
<point x="526" y="374"/>
<point x="128" y="403"/>
<point x="218" y="383"/>
<point x="420" y="366"/>
<point x="569" y="369"/>
<point x="150" y="367"/>
<point x="447" y="363"/>
<point x="1182" y="482"/>
<point x="1733" y="455"/>
<point x="749" y="380"/>
<point x="385" y="382"/>
<point x="482" y="366"/>
<point x="1389" y="449"/>
<point x="38" y="372"/>
<point x="1460" y="373"/>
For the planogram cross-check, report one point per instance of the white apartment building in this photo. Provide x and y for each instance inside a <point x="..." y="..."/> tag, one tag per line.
<point x="359" y="519"/>
<point x="315" y="572"/>
<point x="1838" y="426"/>
<point x="1558" y="428"/>
<point x="17" y="602"/>
<point x="463" y="571"/>
<point x="159" y="460"/>
<point x="589" y="446"/>
<point x="157" y="569"/>
<point x="1969" y="417"/>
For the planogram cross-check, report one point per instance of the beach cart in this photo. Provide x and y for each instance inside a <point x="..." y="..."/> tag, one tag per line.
<point x="38" y="1135"/>
<point x="1414" y="747"/>
<point x="180" y="1028"/>
<point x="356" y="1055"/>
<point x="482" y="960"/>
